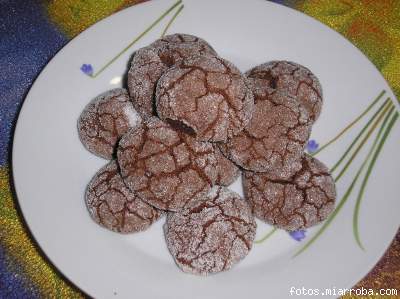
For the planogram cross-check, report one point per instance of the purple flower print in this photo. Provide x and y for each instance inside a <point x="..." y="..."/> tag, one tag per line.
<point x="298" y="235"/>
<point x="312" y="146"/>
<point x="87" y="69"/>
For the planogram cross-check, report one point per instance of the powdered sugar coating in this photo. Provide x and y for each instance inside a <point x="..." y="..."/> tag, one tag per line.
<point x="113" y="206"/>
<point x="274" y="140"/>
<point x="104" y="120"/>
<point x="306" y="200"/>
<point x="211" y="235"/>
<point x="227" y="171"/>
<point x="149" y="63"/>
<point x="292" y="78"/>
<point x="179" y="38"/>
<point x="165" y="167"/>
<point x="207" y="94"/>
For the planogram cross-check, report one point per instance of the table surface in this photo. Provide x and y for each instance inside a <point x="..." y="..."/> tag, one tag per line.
<point x="31" y="32"/>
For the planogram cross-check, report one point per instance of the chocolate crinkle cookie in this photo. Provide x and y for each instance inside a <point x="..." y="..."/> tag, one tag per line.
<point x="211" y="235"/>
<point x="104" y="120"/>
<point x="274" y="140"/>
<point x="166" y="167"/>
<point x="306" y="200"/>
<point x="292" y="78"/>
<point x="149" y="63"/>
<point x="113" y="206"/>
<point x="207" y="95"/>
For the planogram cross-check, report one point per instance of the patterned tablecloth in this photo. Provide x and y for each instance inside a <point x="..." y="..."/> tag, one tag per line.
<point x="31" y="32"/>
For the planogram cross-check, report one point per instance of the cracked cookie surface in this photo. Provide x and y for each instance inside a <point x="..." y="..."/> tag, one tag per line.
<point x="307" y="199"/>
<point x="113" y="206"/>
<point x="180" y="38"/>
<point x="274" y="140"/>
<point x="149" y="63"/>
<point x="166" y="167"/>
<point x="104" y="120"/>
<point x="293" y="78"/>
<point x="208" y="95"/>
<point x="213" y="235"/>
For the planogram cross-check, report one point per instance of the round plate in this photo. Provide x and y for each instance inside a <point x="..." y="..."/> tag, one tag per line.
<point x="51" y="167"/>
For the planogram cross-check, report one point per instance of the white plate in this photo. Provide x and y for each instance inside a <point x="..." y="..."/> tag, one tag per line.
<point x="51" y="167"/>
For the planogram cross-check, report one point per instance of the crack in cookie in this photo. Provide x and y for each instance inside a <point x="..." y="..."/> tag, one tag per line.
<point x="207" y="94"/>
<point x="292" y="78"/>
<point x="211" y="235"/>
<point x="274" y="140"/>
<point x="149" y="63"/>
<point x="112" y="205"/>
<point x="305" y="200"/>
<point x="165" y="167"/>
<point x="104" y="120"/>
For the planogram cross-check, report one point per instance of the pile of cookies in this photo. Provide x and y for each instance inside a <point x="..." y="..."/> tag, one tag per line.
<point x="190" y="124"/>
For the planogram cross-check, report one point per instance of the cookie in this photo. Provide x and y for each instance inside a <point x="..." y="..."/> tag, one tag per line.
<point x="104" y="120"/>
<point x="206" y="94"/>
<point x="227" y="171"/>
<point x="212" y="235"/>
<point x="306" y="200"/>
<point x="149" y="63"/>
<point x="179" y="38"/>
<point x="274" y="140"/>
<point x="113" y="206"/>
<point x="166" y="167"/>
<point x="292" y="78"/>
